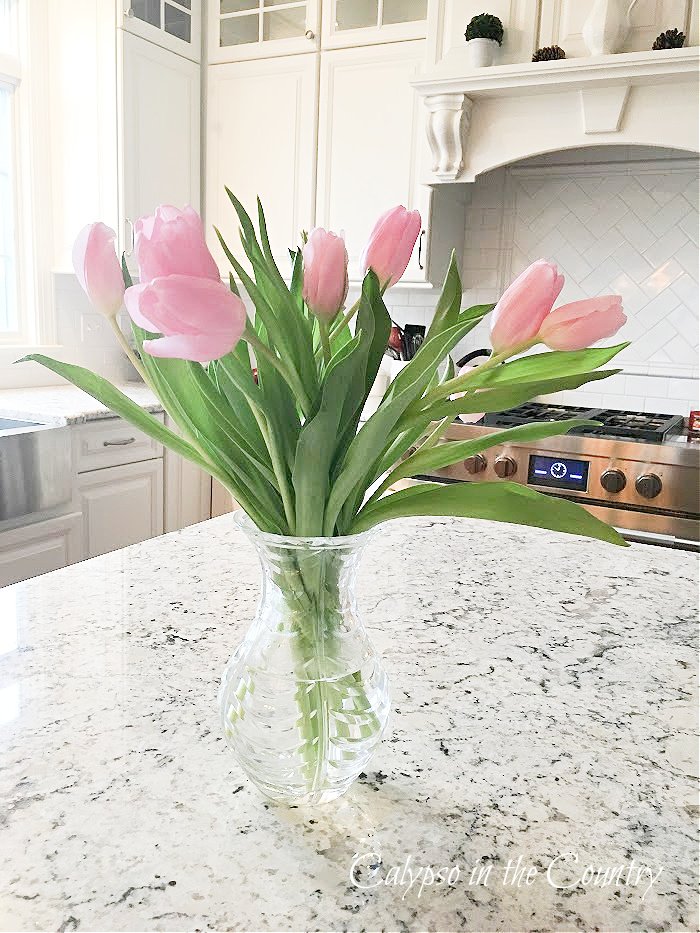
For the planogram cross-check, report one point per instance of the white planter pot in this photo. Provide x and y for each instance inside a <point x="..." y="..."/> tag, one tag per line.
<point x="482" y="52"/>
<point x="607" y="26"/>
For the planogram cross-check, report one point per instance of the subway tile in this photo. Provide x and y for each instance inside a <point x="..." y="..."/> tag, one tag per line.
<point x="666" y="406"/>
<point x="683" y="389"/>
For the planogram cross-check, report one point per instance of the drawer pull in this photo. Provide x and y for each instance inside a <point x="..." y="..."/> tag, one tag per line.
<point x="121" y="443"/>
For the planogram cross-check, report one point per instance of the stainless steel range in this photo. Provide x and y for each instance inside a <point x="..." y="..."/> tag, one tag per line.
<point x="639" y="472"/>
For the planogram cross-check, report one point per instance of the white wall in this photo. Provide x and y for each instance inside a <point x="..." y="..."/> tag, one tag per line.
<point x="629" y="228"/>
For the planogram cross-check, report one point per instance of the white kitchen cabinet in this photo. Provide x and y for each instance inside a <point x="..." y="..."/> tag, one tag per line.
<point x="448" y="20"/>
<point x="121" y="506"/>
<point x="240" y="30"/>
<point x="365" y="22"/>
<point x="188" y="490"/>
<point x="561" y="23"/>
<point x="222" y="502"/>
<point x="172" y="24"/>
<point x="160" y="131"/>
<point x="372" y="146"/>
<point x="261" y="140"/>
<point x="34" y="549"/>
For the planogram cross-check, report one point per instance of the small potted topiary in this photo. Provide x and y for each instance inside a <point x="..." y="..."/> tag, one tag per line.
<point x="484" y="34"/>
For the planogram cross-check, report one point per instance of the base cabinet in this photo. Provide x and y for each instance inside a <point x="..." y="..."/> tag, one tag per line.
<point x="121" y="506"/>
<point x="38" y="548"/>
<point x="222" y="502"/>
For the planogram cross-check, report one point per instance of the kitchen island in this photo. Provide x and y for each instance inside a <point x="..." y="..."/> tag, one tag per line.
<point x="539" y="774"/>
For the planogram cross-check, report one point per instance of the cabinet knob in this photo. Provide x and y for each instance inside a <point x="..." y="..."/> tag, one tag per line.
<point x="130" y="13"/>
<point x="310" y="34"/>
<point x="505" y="467"/>
<point x="613" y="481"/>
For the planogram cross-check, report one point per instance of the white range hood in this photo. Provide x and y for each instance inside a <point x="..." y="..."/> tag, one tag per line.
<point x="481" y="119"/>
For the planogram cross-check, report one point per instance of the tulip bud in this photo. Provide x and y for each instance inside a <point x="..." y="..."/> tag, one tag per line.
<point x="200" y="319"/>
<point x="170" y="242"/>
<point x="325" y="273"/>
<point x="390" y="245"/>
<point x="524" y="305"/>
<point x="582" y="323"/>
<point x="97" y="268"/>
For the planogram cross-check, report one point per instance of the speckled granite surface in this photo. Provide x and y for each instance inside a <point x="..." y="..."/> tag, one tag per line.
<point x="544" y="704"/>
<point x="65" y="404"/>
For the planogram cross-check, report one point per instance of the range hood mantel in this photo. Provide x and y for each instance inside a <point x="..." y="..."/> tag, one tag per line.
<point x="488" y="117"/>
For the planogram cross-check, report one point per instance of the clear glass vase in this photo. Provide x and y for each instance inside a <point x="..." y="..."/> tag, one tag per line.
<point x="305" y="699"/>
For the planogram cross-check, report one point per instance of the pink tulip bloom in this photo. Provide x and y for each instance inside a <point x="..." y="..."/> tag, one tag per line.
<point x="97" y="268"/>
<point x="524" y="305"/>
<point x="200" y="319"/>
<point x="172" y="242"/>
<point x="325" y="273"/>
<point x="582" y="323"/>
<point x="390" y="245"/>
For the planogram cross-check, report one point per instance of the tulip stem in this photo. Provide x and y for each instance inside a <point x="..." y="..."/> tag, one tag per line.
<point x="277" y="465"/>
<point x="458" y="383"/>
<point x="124" y="343"/>
<point x="345" y="319"/>
<point x="349" y="315"/>
<point x="325" y="340"/>
<point x="290" y="376"/>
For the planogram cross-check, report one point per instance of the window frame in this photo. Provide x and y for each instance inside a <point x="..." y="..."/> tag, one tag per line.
<point x="10" y="79"/>
<point x="30" y="174"/>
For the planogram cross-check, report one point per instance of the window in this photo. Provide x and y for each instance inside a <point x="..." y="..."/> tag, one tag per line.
<point x="10" y="325"/>
<point x="8" y="263"/>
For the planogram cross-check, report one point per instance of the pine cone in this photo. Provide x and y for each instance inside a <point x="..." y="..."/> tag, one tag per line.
<point x="549" y="53"/>
<point x="671" y="39"/>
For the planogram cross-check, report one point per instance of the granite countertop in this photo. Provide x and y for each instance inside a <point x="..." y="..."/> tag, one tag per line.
<point x="543" y="704"/>
<point x="66" y="404"/>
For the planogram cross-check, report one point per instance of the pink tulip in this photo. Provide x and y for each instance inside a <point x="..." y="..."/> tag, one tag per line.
<point x="325" y="273"/>
<point x="390" y="245"/>
<point x="97" y="267"/>
<point x="524" y="305"/>
<point x="582" y="323"/>
<point x="172" y="242"/>
<point x="200" y="319"/>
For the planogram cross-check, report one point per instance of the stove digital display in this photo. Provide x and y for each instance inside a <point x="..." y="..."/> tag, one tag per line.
<point x="558" y="472"/>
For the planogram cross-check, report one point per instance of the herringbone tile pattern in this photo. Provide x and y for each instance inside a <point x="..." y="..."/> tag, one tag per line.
<point x="633" y="234"/>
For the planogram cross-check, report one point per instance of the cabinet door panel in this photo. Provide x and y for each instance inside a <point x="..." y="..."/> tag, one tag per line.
<point x="448" y="20"/>
<point x="161" y="130"/>
<point x="562" y="22"/>
<point x="172" y="24"/>
<point x="261" y="141"/>
<point x="38" y="548"/>
<point x="348" y="23"/>
<point x="121" y="506"/>
<point x="187" y="491"/>
<point x="370" y="141"/>
<point x="243" y="30"/>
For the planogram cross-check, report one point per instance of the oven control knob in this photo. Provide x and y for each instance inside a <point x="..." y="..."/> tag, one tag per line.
<point x="613" y="481"/>
<point x="648" y="485"/>
<point x="475" y="464"/>
<point x="505" y="466"/>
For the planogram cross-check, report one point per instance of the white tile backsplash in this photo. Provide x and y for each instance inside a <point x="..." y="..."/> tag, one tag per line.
<point x="614" y="221"/>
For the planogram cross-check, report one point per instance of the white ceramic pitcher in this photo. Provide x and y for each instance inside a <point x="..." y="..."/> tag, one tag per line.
<point x="607" y="26"/>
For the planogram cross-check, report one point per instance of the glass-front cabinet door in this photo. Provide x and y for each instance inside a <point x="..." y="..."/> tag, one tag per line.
<point x="365" y="22"/>
<point x="247" y="29"/>
<point x="171" y="24"/>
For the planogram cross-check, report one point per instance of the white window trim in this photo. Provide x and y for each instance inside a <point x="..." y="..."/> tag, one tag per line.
<point x="31" y="164"/>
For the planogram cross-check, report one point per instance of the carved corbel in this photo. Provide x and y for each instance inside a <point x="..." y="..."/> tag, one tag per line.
<point x="448" y="122"/>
